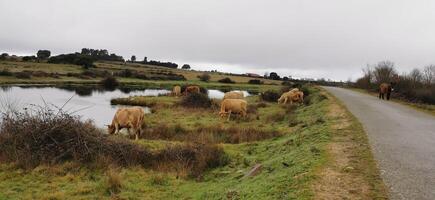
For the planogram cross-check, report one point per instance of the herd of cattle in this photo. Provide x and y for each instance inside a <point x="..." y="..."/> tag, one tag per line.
<point x="233" y="102"/>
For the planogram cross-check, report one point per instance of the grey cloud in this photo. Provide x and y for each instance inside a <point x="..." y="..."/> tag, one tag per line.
<point x="311" y="38"/>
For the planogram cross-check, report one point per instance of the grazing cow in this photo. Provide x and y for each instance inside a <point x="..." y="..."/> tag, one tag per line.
<point x="385" y="88"/>
<point x="294" y="90"/>
<point x="291" y="96"/>
<point x="176" y="91"/>
<point x="229" y="106"/>
<point x="233" y="95"/>
<point x="301" y="96"/>
<point x="192" y="89"/>
<point x="130" y="118"/>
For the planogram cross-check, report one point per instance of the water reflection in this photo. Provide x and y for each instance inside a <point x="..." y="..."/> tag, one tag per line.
<point x="88" y="102"/>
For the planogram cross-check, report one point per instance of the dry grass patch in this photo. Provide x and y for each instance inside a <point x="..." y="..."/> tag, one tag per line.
<point x="210" y="134"/>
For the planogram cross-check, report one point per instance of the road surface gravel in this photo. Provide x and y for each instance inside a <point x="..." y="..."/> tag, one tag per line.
<point x="402" y="140"/>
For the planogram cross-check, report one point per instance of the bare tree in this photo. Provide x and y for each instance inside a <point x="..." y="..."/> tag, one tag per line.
<point x="415" y="77"/>
<point x="428" y="75"/>
<point x="384" y="72"/>
<point x="368" y="73"/>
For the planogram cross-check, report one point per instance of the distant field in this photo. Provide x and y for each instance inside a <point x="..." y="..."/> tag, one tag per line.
<point x="63" y="69"/>
<point x="33" y="66"/>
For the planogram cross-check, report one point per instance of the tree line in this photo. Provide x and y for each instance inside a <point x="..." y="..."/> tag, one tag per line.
<point x="418" y="85"/>
<point x="155" y="62"/>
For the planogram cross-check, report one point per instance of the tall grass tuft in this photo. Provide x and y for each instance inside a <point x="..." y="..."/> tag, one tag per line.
<point x="113" y="182"/>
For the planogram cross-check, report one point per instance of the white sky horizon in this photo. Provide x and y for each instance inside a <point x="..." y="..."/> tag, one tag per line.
<point x="302" y="38"/>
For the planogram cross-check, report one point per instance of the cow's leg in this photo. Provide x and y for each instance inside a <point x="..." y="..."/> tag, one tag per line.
<point x="136" y="134"/>
<point x="116" y="129"/>
<point x="138" y="131"/>
<point x="380" y="94"/>
<point x="285" y="100"/>
<point x="229" y="115"/>
<point x="388" y="96"/>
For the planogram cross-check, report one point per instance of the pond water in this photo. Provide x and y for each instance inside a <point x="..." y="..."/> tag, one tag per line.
<point x="91" y="104"/>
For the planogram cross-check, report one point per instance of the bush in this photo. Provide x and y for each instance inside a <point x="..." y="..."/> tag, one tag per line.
<point x="305" y="90"/>
<point x="255" y="81"/>
<point x="270" y="95"/>
<point x="29" y="58"/>
<point x="196" y="100"/>
<point x="46" y="137"/>
<point x="204" y="77"/>
<point x="23" y="75"/>
<point x="5" y="72"/>
<point x="426" y="95"/>
<point x="110" y="82"/>
<point x="226" y="80"/>
<point x="43" y="136"/>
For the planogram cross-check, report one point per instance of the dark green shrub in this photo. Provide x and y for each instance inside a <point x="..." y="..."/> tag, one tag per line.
<point x="109" y="82"/>
<point x="5" y="72"/>
<point x="270" y="95"/>
<point x="255" y="81"/>
<point x="226" y="80"/>
<point x="196" y="100"/>
<point x="23" y="75"/>
<point x="204" y="77"/>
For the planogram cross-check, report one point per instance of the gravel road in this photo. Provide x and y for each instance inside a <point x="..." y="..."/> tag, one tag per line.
<point x="402" y="140"/>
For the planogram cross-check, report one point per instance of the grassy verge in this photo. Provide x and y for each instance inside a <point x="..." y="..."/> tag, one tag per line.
<point x="430" y="109"/>
<point x="351" y="170"/>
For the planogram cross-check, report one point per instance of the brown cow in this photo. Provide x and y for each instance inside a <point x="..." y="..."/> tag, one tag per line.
<point x="385" y="88"/>
<point x="229" y="106"/>
<point x="192" y="89"/>
<point x="176" y="91"/>
<point x="301" y="96"/>
<point x="233" y="95"/>
<point x="130" y="118"/>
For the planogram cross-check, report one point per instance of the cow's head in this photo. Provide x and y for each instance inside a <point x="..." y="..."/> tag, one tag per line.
<point x="223" y="114"/>
<point x="110" y="129"/>
<point x="280" y="100"/>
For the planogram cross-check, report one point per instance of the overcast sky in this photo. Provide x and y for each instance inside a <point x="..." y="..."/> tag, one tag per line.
<point x="303" y="38"/>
